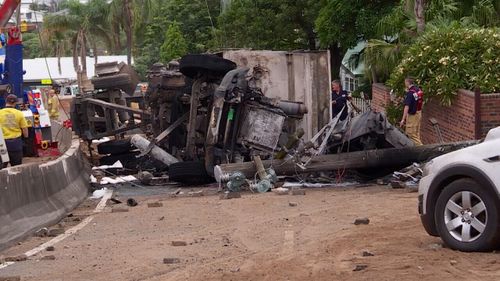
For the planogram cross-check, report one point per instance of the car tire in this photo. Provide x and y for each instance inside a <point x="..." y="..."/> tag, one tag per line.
<point x="189" y="173"/>
<point x="112" y="81"/>
<point x="115" y="147"/>
<point x="193" y="64"/>
<point x="478" y="228"/>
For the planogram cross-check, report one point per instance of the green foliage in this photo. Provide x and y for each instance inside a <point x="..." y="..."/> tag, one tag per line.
<point x="31" y="44"/>
<point x="174" y="45"/>
<point x="346" y="21"/>
<point x="264" y="24"/>
<point x="445" y="60"/>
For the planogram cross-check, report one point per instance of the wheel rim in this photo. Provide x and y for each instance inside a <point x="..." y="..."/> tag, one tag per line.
<point x="465" y="216"/>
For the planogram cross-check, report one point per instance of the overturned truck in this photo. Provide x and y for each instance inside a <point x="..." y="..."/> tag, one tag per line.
<point x="203" y="118"/>
<point x="198" y="112"/>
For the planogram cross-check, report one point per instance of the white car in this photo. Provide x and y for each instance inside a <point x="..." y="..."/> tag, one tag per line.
<point x="459" y="196"/>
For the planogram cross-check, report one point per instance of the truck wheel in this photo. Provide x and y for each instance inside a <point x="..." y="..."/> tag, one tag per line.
<point x="189" y="173"/>
<point x="115" y="147"/>
<point x="192" y="65"/>
<point x="468" y="217"/>
<point x="112" y="81"/>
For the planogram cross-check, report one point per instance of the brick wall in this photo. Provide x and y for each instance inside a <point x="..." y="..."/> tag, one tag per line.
<point x="457" y="122"/>
<point x="380" y="97"/>
<point x="490" y="112"/>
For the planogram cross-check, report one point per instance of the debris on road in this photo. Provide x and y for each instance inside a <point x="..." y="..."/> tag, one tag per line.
<point x="16" y="258"/>
<point x="50" y="249"/>
<point x="99" y="193"/>
<point x="367" y="254"/>
<point x="48" y="258"/>
<point x="42" y="232"/>
<point x="155" y="205"/>
<point x="178" y="243"/>
<point x="360" y="267"/>
<point x="360" y="221"/>
<point x="171" y="260"/>
<point x="281" y="191"/>
<point x="132" y="202"/>
<point x="292" y="204"/>
<point x="230" y="195"/>
<point x="53" y="232"/>
<point x="298" y="191"/>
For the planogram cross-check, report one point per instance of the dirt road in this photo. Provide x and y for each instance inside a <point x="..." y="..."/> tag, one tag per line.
<point x="258" y="237"/>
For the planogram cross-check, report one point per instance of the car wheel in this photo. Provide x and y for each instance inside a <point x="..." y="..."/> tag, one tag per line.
<point x="468" y="217"/>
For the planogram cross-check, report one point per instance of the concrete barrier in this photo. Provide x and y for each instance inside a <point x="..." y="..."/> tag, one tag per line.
<point x="33" y="196"/>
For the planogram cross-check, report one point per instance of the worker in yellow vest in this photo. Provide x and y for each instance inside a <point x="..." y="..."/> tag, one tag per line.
<point x="53" y="105"/>
<point x="13" y="125"/>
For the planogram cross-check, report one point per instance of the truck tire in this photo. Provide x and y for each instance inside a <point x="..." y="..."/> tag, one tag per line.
<point x="115" y="147"/>
<point x="192" y="65"/>
<point x="112" y="81"/>
<point x="189" y="173"/>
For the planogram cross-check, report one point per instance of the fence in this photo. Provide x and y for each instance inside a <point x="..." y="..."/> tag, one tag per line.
<point x="362" y="104"/>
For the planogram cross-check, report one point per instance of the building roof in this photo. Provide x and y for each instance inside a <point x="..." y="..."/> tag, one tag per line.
<point x="355" y="70"/>
<point x="38" y="69"/>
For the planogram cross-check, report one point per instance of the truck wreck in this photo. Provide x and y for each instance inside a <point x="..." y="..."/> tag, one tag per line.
<point x="205" y="118"/>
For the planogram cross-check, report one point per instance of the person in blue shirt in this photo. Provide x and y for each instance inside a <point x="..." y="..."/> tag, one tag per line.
<point x="340" y="98"/>
<point x="412" y="114"/>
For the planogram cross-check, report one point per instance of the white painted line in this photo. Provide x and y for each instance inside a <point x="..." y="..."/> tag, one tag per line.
<point x="68" y="232"/>
<point x="3" y="265"/>
<point x="288" y="244"/>
<point x="59" y="238"/>
<point x="104" y="199"/>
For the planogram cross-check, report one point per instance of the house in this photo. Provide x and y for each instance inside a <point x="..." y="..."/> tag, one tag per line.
<point x="350" y="71"/>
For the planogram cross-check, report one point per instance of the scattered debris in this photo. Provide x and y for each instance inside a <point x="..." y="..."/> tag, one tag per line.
<point x="362" y="221"/>
<point x="162" y="218"/>
<point x="196" y="193"/>
<point x="179" y="243"/>
<point x="298" y="191"/>
<point x="292" y="204"/>
<point x="360" y="267"/>
<point x="119" y="210"/>
<point x="53" y="232"/>
<point x="155" y="205"/>
<point x="145" y="177"/>
<point x="116" y="201"/>
<point x="48" y="258"/>
<point x="453" y="262"/>
<point x="367" y="254"/>
<point x="230" y="195"/>
<point x="22" y="257"/>
<point x="171" y="260"/>
<point x="42" y="232"/>
<point x="281" y="191"/>
<point x="99" y="193"/>
<point x="50" y="249"/>
<point x="177" y="191"/>
<point x="380" y="182"/>
<point x="395" y="184"/>
<point x="131" y="202"/>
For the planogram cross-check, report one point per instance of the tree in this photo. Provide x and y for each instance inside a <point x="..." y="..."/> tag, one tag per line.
<point x="280" y="24"/>
<point x="341" y="24"/>
<point x="175" y="45"/>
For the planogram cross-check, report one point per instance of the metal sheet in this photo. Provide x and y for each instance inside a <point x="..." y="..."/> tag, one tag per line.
<point x="295" y="76"/>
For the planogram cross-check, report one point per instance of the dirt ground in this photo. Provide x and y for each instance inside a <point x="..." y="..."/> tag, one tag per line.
<point x="257" y="237"/>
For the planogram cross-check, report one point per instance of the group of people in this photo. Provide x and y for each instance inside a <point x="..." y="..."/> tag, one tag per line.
<point x="412" y="112"/>
<point x="14" y="125"/>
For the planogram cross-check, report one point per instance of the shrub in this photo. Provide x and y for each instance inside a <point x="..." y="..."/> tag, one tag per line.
<point x="443" y="61"/>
